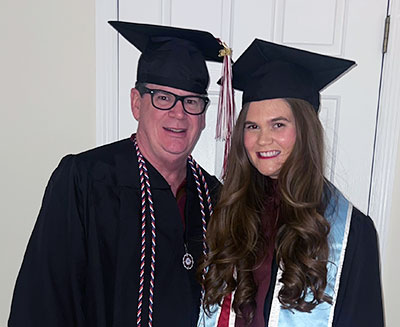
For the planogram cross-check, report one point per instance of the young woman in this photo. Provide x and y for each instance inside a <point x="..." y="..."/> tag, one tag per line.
<point x="285" y="247"/>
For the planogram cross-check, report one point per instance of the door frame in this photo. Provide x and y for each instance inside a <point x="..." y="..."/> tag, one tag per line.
<point x="387" y="136"/>
<point x="387" y="139"/>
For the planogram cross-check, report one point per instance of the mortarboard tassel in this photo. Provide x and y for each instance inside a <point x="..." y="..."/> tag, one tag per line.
<point x="226" y="104"/>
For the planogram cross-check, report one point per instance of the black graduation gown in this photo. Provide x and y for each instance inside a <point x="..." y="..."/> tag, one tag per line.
<point x="81" y="266"/>
<point x="359" y="300"/>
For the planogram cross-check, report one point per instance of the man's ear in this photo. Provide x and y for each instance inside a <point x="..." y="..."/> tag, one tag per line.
<point x="203" y="122"/>
<point x="135" y="103"/>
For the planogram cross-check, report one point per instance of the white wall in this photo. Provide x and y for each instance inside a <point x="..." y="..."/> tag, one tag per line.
<point x="391" y="268"/>
<point x="47" y="109"/>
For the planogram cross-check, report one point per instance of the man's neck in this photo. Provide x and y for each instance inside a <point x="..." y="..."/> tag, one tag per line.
<point x="174" y="175"/>
<point x="173" y="170"/>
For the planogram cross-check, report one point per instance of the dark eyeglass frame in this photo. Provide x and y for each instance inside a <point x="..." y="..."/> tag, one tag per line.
<point x="143" y="90"/>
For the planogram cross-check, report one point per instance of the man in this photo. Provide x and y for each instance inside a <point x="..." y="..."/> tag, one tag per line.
<point x="122" y="226"/>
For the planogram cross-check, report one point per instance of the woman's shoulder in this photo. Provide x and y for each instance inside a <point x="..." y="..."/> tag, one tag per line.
<point x="362" y="227"/>
<point x="361" y="221"/>
<point x="341" y="210"/>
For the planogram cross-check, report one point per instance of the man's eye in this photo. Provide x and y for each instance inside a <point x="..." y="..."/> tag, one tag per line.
<point x="163" y="97"/>
<point x="192" y="101"/>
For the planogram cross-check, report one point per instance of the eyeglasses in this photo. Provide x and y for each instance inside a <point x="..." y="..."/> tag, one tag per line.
<point x="164" y="100"/>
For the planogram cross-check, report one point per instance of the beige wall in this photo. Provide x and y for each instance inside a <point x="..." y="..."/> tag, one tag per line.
<point x="47" y="105"/>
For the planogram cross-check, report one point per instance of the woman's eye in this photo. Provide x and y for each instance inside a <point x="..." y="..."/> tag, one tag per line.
<point x="279" y="125"/>
<point x="250" y="126"/>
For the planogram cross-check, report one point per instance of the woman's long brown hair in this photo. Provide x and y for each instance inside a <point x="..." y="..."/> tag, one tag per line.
<point x="301" y="245"/>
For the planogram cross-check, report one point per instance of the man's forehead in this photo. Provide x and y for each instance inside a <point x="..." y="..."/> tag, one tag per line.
<point x="169" y="89"/>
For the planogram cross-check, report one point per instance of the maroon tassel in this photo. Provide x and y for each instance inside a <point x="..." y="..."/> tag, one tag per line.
<point x="226" y="105"/>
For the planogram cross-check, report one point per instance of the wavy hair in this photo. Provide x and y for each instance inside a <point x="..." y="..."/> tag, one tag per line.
<point x="301" y="244"/>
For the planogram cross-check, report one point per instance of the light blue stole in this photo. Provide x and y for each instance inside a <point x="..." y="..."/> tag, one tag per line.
<point x="338" y="213"/>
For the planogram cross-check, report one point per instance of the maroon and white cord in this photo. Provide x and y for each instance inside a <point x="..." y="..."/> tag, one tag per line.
<point x="146" y="198"/>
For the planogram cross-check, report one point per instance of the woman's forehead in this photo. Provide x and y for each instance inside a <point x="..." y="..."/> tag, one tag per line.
<point x="269" y="109"/>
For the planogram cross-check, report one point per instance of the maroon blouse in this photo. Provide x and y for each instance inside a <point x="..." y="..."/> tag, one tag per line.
<point x="181" y="200"/>
<point x="262" y="272"/>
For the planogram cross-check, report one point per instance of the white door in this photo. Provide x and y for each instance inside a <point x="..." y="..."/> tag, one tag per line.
<point x="350" y="29"/>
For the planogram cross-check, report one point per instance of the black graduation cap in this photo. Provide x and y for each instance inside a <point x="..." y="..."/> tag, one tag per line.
<point x="268" y="71"/>
<point x="172" y="56"/>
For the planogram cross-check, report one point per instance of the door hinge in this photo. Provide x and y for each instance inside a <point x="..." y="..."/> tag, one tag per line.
<point x="386" y="34"/>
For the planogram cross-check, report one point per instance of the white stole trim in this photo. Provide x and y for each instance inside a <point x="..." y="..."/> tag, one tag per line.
<point x="341" y="261"/>
<point x="276" y="305"/>
<point x="232" y="314"/>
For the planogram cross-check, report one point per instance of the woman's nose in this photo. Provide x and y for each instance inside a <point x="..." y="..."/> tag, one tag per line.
<point x="265" y="137"/>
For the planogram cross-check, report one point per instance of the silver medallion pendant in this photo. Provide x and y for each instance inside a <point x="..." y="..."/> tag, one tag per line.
<point x="188" y="261"/>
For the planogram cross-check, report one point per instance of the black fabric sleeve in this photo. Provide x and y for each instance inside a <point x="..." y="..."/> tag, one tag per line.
<point x="49" y="287"/>
<point x="359" y="301"/>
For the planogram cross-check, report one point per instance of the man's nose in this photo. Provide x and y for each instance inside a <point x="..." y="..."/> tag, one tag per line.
<point x="177" y="110"/>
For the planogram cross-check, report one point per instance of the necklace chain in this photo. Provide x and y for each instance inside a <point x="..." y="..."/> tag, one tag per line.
<point x="146" y="197"/>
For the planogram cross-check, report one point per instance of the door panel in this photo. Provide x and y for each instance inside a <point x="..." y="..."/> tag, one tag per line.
<point x="333" y="27"/>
